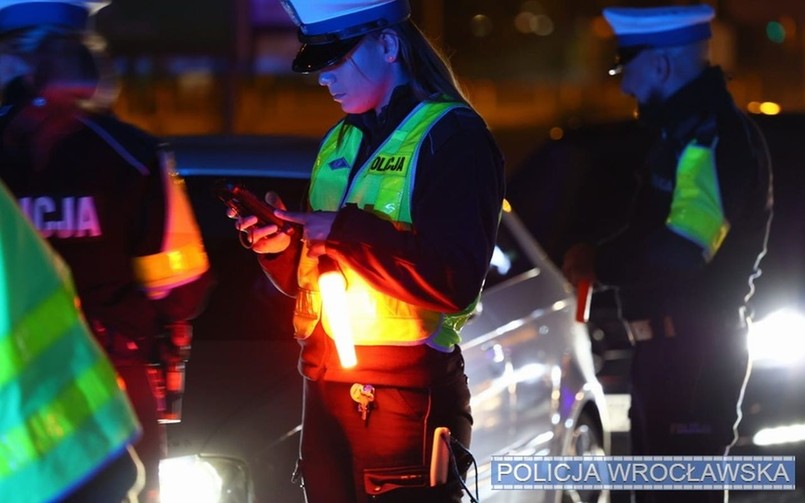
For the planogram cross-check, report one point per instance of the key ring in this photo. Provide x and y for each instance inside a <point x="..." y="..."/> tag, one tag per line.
<point x="246" y="238"/>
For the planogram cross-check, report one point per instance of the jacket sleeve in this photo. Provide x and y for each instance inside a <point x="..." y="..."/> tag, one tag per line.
<point x="638" y="259"/>
<point x="441" y="262"/>
<point x="280" y="268"/>
<point x="175" y="275"/>
<point x="714" y="181"/>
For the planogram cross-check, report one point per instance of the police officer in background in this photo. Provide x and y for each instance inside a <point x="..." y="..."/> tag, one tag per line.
<point x="103" y="193"/>
<point x="684" y="265"/>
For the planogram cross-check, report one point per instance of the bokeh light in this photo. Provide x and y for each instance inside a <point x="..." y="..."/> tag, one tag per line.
<point x="775" y="31"/>
<point x="481" y="25"/>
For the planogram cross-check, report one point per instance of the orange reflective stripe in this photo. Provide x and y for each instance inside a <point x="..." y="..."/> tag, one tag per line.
<point x="182" y="258"/>
<point x="171" y="268"/>
<point x="181" y="227"/>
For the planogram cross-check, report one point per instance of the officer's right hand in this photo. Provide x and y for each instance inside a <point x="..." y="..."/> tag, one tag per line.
<point x="267" y="239"/>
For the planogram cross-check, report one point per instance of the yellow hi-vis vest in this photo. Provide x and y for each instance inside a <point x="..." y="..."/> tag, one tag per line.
<point x="696" y="210"/>
<point x="62" y="412"/>
<point x="384" y="186"/>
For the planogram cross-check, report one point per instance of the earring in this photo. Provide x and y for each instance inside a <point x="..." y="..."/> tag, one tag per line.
<point x="389" y="58"/>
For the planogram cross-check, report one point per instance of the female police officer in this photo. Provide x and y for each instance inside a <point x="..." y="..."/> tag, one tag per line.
<point x="405" y="197"/>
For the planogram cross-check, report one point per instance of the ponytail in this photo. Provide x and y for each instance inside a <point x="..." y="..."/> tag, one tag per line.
<point x="432" y="78"/>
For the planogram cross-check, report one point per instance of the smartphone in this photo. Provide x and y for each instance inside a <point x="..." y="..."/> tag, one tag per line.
<point x="243" y="202"/>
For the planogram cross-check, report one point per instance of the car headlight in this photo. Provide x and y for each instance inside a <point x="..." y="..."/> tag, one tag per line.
<point x="189" y="478"/>
<point x="778" y="339"/>
<point x="787" y="434"/>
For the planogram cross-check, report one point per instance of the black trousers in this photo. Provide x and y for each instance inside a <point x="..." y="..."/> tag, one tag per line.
<point x="686" y="393"/>
<point x="346" y="459"/>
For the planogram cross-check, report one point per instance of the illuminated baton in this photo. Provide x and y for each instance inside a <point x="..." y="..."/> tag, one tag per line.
<point x="333" y="288"/>
<point x="584" y="294"/>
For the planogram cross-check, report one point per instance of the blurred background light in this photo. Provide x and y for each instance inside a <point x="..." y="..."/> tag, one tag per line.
<point x="528" y="22"/>
<point x="763" y="107"/>
<point x="780" y="435"/>
<point x="775" y="32"/>
<point x="601" y="28"/>
<point x="481" y="25"/>
<point x="556" y="133"/>
<point x="778" y="339"/>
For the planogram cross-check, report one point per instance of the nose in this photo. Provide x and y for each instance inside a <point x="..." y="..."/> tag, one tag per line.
<point x="326" y="78"/>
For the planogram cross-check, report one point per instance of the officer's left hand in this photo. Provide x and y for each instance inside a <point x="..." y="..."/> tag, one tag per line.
<point x="316" y="227"/>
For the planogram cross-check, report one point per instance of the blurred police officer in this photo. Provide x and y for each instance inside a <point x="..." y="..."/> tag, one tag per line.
<point x="684" y="265"/>
<point x="55" y="374"/>
<point x="103" y="193"/>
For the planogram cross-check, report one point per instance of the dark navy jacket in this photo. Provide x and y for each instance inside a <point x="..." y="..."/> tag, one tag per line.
<point x="659" y="272"/>
<point x="95" y="188"/>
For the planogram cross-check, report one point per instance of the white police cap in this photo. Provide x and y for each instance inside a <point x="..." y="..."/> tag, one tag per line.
<point x="659" y="26"/>
<point x="17" y="14"/>
<point x="330" y="29"/>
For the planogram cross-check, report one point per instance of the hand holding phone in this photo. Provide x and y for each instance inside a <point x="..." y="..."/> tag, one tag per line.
<point x="244" y="203"/>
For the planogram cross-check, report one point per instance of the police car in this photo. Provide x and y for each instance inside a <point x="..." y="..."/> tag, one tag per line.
<point x="528" y="360"/>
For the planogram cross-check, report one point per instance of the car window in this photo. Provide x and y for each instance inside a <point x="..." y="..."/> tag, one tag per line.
<point x="508" y="259"/>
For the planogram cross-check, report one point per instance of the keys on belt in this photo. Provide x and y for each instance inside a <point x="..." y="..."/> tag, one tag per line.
<point x="645" y="330"/>
<point x="364" y="395"/>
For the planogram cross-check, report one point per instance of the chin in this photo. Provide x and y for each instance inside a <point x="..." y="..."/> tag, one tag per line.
<point x="354" y="108"/>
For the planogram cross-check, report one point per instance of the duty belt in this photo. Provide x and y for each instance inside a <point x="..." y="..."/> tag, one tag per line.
<point x="645" y="330"/>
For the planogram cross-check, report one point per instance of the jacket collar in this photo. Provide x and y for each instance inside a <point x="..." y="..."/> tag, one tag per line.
<point x="699" y="97"/>
<point x="375" y="126"/>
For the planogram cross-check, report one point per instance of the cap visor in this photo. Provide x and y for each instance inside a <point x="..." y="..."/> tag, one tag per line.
<point x="314" y="57"/>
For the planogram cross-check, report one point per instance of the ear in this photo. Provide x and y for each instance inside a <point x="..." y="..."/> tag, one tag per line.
<point x="390" y="45"/>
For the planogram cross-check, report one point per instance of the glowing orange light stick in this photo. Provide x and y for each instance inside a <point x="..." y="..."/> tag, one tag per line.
<point x="333" y="289"/>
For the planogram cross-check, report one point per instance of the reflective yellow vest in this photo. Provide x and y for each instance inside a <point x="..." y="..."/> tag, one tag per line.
<point x="62" y="412"/>
<point x="696" y="210"/>
<point x="384" y="186"/>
